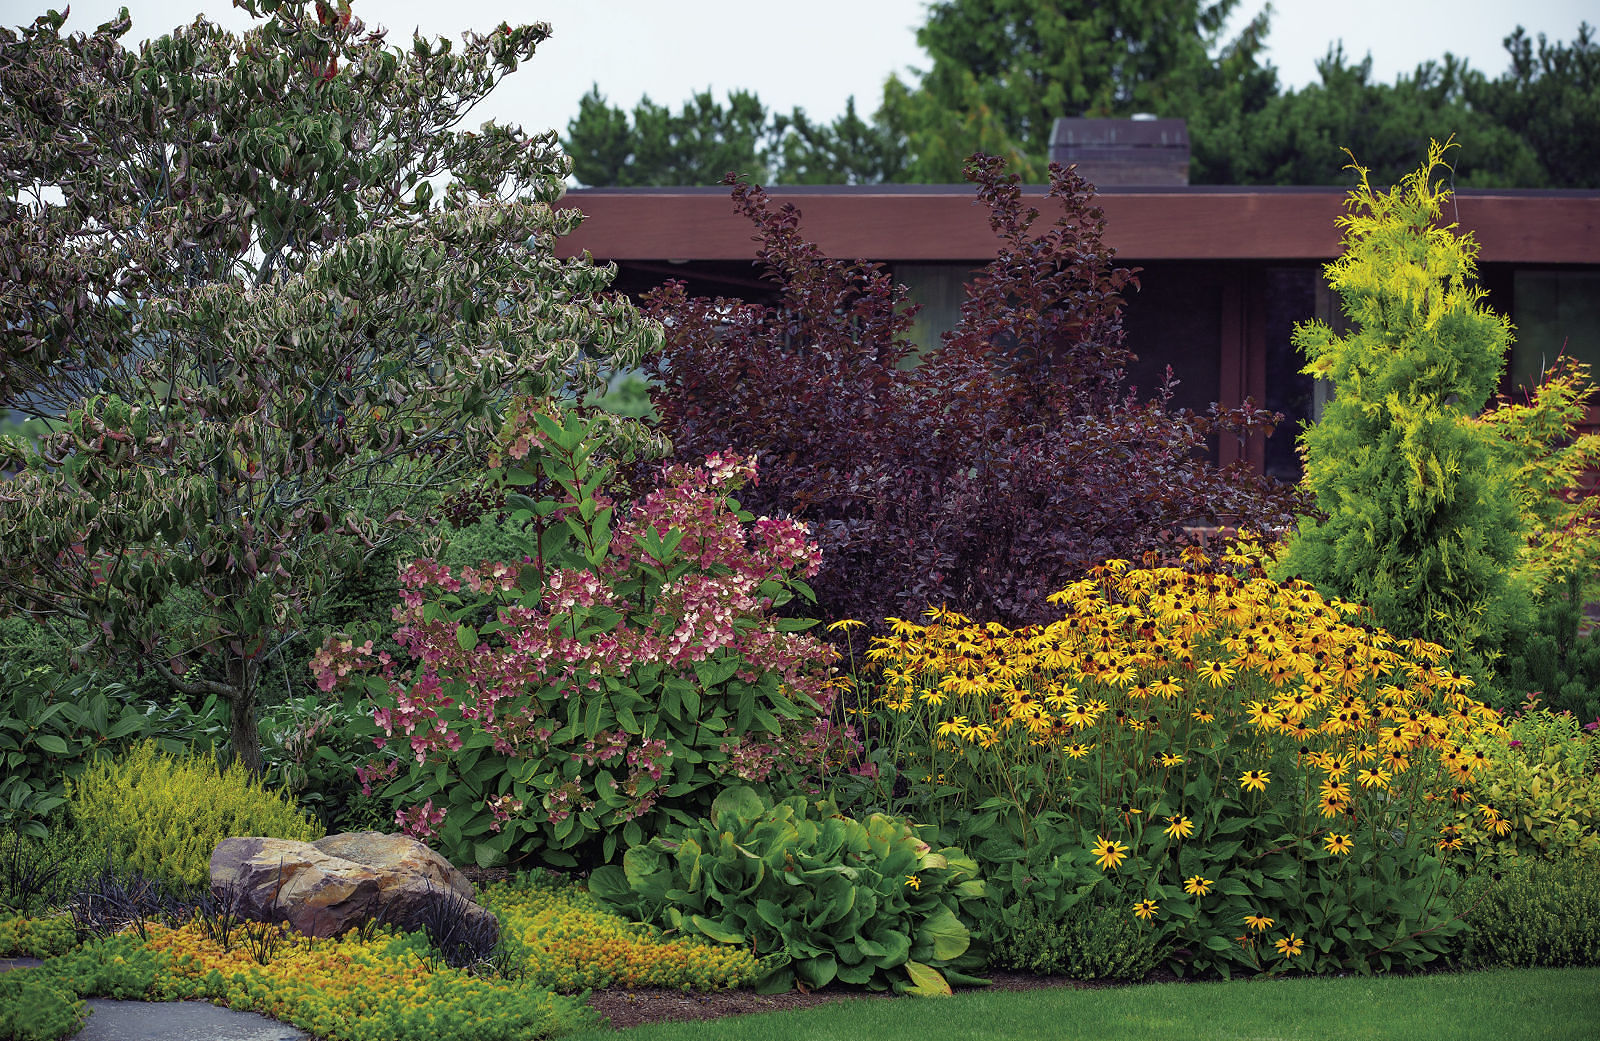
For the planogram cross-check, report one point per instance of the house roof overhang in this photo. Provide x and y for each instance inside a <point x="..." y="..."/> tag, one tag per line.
<point x="945" y="223"/>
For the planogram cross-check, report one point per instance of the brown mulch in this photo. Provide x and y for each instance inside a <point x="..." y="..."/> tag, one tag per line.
<point x="631" y="1007"/>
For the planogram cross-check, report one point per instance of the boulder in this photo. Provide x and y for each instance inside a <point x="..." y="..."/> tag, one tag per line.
<point x="326" y="887"/>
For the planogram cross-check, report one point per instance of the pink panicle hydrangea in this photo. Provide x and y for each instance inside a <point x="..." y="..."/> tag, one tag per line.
<point x="420" y="822"/>
<point x="372" y="772"/>
<point x="512" y="682"/>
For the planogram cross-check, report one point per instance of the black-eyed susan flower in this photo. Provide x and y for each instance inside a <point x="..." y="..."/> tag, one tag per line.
<point x="1254" y="780"/>
<point x="1109" y="854"/>
<point x="1197" y="886"/>
<point x="1217" y="673"/>
<point x="1290" y="946"/>
<point x="1260" y="923"/>
<point x="1146" y="910"/>
<point x="1169" y="759"/>
<point x="1373" y="777"/>
<point x="1179" y="826"/>
<point x="1338" y="845"/>
<point x="913" y="882"/>
<point x="1167" y="687"/>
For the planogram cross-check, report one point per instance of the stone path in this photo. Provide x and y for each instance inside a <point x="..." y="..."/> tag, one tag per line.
<point x="171" y="1020"/>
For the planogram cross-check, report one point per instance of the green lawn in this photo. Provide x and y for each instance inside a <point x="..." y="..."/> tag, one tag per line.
<point x="1502" y="1005"/>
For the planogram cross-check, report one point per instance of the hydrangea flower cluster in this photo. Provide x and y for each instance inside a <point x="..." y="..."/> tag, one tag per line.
<point x="610" y="674"/>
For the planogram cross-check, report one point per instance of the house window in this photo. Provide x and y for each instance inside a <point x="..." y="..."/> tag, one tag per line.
<point x="1555" y="312"/>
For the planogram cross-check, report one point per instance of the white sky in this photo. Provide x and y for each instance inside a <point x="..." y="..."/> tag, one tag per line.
<point x="816" y="53"/>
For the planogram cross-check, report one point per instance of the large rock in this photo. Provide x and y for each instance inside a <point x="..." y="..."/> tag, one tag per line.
<point x="325" y="887"/>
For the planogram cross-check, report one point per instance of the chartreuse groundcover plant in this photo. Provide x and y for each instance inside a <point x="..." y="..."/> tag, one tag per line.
<point x="371" y="984"/>
<point x="385" y="987"/>
<point x="1248" y="769"/>
<point x="565" y="938"/>
<point x="577" y="700"/>
<point x="822" y="896"/>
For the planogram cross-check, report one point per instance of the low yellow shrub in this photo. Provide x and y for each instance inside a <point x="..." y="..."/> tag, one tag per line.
<point x="163" y="814"/>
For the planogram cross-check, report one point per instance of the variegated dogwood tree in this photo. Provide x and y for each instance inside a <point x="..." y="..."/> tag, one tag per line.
<point x="254" y="332"/>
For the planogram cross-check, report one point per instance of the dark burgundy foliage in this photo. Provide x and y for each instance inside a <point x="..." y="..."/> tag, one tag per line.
<point x="983" y="476"/>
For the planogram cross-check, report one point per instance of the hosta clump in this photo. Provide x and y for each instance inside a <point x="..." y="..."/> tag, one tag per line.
<point x="834" y="898"/>
<point x="563" y="705"/>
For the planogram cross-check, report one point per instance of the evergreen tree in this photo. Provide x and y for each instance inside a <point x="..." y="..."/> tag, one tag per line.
<point x="700" y="144"/>
<point x="1004" y="70"/>
<point x="1298" y="137"/>
<point x="703" y="142"/>
<point x="1551" y="98"/>
<point x="1417" y="521"/>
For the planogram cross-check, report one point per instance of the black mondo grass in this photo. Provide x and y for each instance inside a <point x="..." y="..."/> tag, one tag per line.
<point x="32" y="877"/>
<point x="462" y="939"/>
<point x="117" y="898"/>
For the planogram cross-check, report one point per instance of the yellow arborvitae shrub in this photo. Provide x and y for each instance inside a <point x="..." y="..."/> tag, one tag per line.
<point x="163" y="814"/>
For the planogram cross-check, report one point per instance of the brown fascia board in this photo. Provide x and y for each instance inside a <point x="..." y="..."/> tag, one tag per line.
<point x="939" y="223"/>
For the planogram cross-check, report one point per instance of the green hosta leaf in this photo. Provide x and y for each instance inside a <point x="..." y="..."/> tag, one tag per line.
<point x="716" y="930"/>
<point x="734" y="808"/>
<point x="944" y="930"/>
<point x="926" y="981"/>
<point x="609" y="883"/>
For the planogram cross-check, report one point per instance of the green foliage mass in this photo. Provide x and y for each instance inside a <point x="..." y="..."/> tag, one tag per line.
<point x="51" y="726"/>
<point x="863" y="902"/>
<point x="1543" y="780"/>
<point x="704" y="141"/>
<point x="1086" y="942"/>
<point x="34" y="1009"/>
<point x="999" y="72"/>
<point x="1417" y="523"/>
<point x="1002" y="72"/>
<point x="1299" y="136"/>
<point x="1550" y="96"/>
<point x="164" y="815"/>
<point x="259" y="342"/>
<point x="1535" y="912"/>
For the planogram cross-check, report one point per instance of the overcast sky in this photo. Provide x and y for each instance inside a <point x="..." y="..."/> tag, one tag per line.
<point x="815" y="53"/>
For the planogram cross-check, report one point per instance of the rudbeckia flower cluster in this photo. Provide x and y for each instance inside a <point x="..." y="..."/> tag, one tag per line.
<point x="1166" y="723"/>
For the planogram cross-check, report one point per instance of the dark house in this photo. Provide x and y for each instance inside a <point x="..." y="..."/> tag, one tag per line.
<point x="1227" y="271"/>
